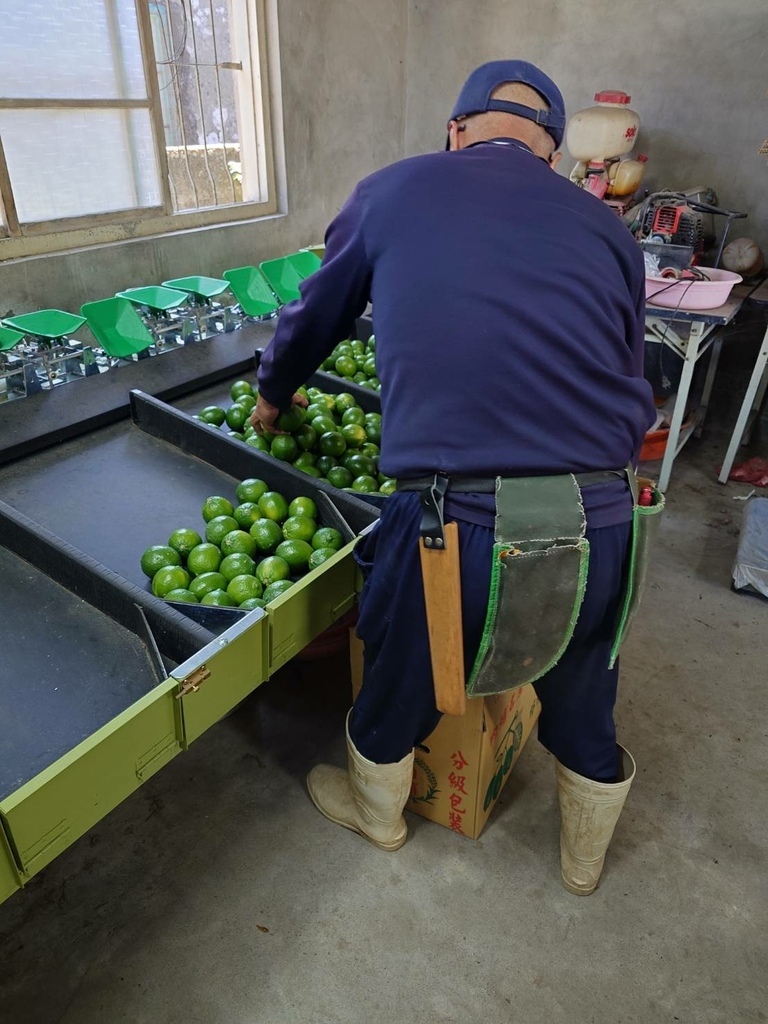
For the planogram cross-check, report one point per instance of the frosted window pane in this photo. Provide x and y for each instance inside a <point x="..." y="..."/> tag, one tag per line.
<point x="67" y="163"/>
<point x="72" y="50"/>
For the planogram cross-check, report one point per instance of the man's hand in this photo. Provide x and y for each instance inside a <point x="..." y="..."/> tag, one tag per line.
<point x="265" y="415"/>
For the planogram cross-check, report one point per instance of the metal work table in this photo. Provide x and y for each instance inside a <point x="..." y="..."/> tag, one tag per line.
<point x="690" y="333"/>
<point x="753" y="399"/>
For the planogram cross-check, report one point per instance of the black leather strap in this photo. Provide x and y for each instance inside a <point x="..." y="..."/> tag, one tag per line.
<point x="487" y="485"/>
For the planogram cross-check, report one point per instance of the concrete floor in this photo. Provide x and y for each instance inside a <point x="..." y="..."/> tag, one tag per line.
<point x="217" y="895"/>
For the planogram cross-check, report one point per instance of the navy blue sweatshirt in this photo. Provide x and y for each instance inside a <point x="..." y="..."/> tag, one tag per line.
<point x="508" y="310"/>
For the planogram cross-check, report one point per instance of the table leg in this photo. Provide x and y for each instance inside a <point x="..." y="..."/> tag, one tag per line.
<point x="714" y="359"/>
<point x="691" y="355"/>
<point x="756" y="386"/>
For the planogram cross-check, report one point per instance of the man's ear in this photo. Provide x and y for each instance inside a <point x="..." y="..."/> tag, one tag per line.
<point x="555" y="159"/>
<point x="455" y="140"/>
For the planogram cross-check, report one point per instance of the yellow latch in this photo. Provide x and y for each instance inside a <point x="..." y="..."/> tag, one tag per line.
<point x="193" y="682"/>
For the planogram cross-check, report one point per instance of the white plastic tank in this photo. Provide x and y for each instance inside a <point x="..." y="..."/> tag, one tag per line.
<point x="609" y="129"/>
<point x="625" y="176"/>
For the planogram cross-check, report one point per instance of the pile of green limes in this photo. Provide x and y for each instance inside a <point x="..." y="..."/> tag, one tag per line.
<point x="333" y="438"/>
<point x="355" y="361"/>
<point x="250" y="553"/>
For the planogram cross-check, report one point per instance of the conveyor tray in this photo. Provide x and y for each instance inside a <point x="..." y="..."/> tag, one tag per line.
<point x="68" y="668"/>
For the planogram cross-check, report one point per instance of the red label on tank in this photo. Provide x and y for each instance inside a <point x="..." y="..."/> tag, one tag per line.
<point x="631" y="132"/>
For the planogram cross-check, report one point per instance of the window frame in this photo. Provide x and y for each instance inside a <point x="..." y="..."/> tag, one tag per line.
<point x="36" y="238"/>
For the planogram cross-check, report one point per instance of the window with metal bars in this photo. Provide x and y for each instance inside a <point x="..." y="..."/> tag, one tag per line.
<point x="121" y="118"/>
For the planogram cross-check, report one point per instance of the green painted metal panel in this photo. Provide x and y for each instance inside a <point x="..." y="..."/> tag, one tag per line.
<point x="311" y="606"/>
<point x="60" y="804"/>
<point x="222" y="674"/>
<point x="9" y="876"/>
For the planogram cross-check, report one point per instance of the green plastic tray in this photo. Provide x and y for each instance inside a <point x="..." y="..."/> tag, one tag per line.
<point x="9" y="338"/>
<point x="250" y="288"/>
<point x="283" y="277"/>
<point x="304" y="262"/>
<point x="155" y="296"/>
<point x="205" y="287"/>
<point x="46" y="323"/>
<point x="117" y="327"/>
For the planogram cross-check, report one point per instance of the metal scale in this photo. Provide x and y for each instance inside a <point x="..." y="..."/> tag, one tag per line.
<point x="37" y="353"/>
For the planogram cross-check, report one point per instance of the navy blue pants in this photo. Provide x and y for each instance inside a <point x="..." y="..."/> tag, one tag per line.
<point x="396" y="711"/>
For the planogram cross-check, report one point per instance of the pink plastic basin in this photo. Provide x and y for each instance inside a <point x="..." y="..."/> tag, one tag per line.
<point x="688" y="294"/>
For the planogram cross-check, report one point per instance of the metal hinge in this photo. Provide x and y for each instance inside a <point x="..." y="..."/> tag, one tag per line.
<point x="193" y="682"/>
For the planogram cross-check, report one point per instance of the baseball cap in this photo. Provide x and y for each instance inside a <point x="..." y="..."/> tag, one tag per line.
<point x="475" y="96"/>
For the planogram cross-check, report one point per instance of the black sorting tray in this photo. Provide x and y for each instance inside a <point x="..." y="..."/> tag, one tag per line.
<point x="79" y="647"/>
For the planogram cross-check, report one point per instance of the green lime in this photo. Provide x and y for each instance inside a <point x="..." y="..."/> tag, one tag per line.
<point x="238" y="542"/>
<point x="284" y="447"/>
<point x="240" y="388"/>
<point x="329" y="401"/>
<point x="218" y="597"/>
<point x="302" y="506"/>
<point x="299" y="528"/>
<point x="327" y="537"/>
<point x="388" y="487"/>
<point x="292" y="419"/>
<point x="315" y="409"/>
<point x="217" y="506"/>
<point x="305" y="459"/>
<point x="181" y="595"/>
<point x="236" y="416"/>
<point x="247" y="402"/>
<point x="373" y="432"/>
<point x="242" y="588"/>
<point x="296" y="553"/>
<point x="238" y="564"/>
<point x="344" y="402"/>
<point x="344" y="348"/>
<point x="204" y="558"/>
<point x="346" y="366"/>
<point x="258" y="443"/>
<point x="303" y="392"/>
<point x="272" y="569"/>
<point x="275" y="590"/>
<point x="359" y="377"/>
<point x="360" y="465"/>
<point x="326" y="463"/>
<point x="250" y="603"/>
<point x="357" y="347"/>
<point x="212" y="414"/>
<point x="354" y="415"/>
<point x="354" y="435"/>
<point x="374" y="418"/>
<point x="158" y="557"/>
<point x="247" y="514"/>
<point x="312" y="393"/>
<point x="371" y="451"/>
<point x="370" y="345"/>
<point x="250" y="489"/>
<point x="305" y="437"/>
<point x="332" y="443"/>
<point x="339" y="476"/>
<point x="312" y="471"/>
<point x="172" y="577"/>
<point x="321" y="555"/>
<point x="202" y="585"/>
<point x="365" y="485"/>
<point x="273" y="506"/>
<point x="237" y="435"/>
<point x="267" y="535"/>
<point x="369" y="366"/>
<point x="183" y="540"/>
<point x="218" y="528"/>
<point x="323" y="424"/>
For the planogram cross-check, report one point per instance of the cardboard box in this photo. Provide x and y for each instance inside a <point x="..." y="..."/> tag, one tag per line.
<point x="461" y="769"/>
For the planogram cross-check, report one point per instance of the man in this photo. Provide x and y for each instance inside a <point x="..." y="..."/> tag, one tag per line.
<point x="508" y="309"/>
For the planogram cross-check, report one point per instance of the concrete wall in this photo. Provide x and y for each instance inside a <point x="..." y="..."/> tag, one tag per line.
<point x="696" y="72"/>
<point x="343" y="97"/>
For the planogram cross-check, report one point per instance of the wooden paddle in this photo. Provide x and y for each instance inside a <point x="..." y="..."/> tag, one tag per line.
<point x="442" y="595"/>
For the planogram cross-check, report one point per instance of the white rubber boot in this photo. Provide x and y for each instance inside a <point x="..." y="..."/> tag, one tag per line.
<point x="368" y="798"/>
<point x="588" y="812"/>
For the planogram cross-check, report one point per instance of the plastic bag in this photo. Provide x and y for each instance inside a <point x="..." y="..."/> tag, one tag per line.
<point x="753" y="471"/>
<point x="750" y="570"/>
